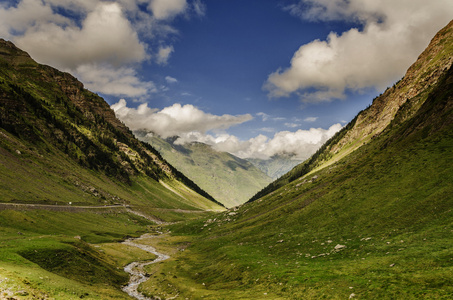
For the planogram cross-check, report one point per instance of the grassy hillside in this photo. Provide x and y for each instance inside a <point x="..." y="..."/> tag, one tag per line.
<point x="369" y="216"/>
<point x="72" y="180"/>
<point x="410" y="92"/>
<point x="229" y="179"/>
<point x="376" y="224"/>
<point x="61" y="143"/>
<point x="66" y="255"/>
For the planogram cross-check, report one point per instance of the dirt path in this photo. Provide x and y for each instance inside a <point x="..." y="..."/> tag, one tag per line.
<point x="69" y="208"/>
<point x="135" y="269"/>
<point x="74" y="208"/>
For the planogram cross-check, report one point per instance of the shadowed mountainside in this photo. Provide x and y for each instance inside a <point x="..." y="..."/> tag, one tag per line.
<point x="63" y="143"/>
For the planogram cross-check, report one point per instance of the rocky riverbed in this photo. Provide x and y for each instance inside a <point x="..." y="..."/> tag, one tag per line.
<point x="136" y="268"/>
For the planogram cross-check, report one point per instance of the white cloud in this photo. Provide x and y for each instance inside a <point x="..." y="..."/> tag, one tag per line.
<point x="105" y="36"/>
<point x="170" y="79"/>
<point x="165" y="9"/>
<point x="292" y="125"/>
<point x="267" y="129"/>
<point x="394" y="33"/>
<point x="193" y="125"/>
<point x="113" y="81"/>
<point x="199" y="8"/>
<point x="263" y="116"/>
<point x="26" y="14"/>
<point x="164" y="54"/>
<point x="310" y="119"/>
<point x="300" y="144"/>
<point x="176" y="120"/>
<point x="100" y="50"/>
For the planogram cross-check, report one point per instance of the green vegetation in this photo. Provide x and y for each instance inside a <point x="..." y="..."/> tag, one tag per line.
<point x="375" y="225"/>
<point x="229" y="179"/>
<point x="369" y="123"/>
<point x="61" y="143"/>
<point x="63" y="255"/>
<point x="369" y="217"/>
<point x="79" y="177"/>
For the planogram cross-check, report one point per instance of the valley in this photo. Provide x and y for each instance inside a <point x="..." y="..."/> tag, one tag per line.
<point x="90" y="211"/>
<point x="229" y="179"/>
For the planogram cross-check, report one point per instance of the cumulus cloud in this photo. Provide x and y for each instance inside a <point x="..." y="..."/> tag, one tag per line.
<point x="100" y="50"/>
<point x="176" y="120"/>
<point x="102" y="35"/>
<point x="165" y="9"/>
<point x="191" y="124"/>
<point x="105" y="36"/>
<point x="114" y="81"/>
<point x="26" y="14"/>
<point x="392" y="35"/>
<point x="300" y="144"/>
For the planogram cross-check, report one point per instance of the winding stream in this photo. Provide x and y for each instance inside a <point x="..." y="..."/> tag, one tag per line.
<point x="135" y="269"/>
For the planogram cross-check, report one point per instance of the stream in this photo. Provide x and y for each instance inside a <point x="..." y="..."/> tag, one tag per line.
<point x="135" y="269"/>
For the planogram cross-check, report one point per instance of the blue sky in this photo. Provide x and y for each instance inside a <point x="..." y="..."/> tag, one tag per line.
<point x="251" y="77"/>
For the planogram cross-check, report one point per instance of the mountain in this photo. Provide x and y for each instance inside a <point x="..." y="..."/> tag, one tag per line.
<point x="74" y="182"/>
<point x="369" y="216"/>
<point x="229" y="179"/>
<point x="395" y="105"/>
<point x="276" y="166"/>
<point x="62" y="143"/>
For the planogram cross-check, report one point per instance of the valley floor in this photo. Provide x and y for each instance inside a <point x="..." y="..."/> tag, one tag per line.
<point x="79" y="255"/>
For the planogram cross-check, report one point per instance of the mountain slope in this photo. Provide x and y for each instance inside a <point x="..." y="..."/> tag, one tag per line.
<point x="406" y="95"/>
<point x="229" y="179"/>
<point x="276" y="166"/>
<point x="374" y="224"/>
<point x="74" y="182"/>
<point x="61" y="143"/>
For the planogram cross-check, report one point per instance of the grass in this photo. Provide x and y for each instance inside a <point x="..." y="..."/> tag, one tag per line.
<point x="389" y="204"/>
<point x="67" y="255"/>
<point x="48" y="177"/>
<point x="376" y="224"/>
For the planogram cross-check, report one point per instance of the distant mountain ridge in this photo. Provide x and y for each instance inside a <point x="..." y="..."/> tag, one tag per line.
<point x="229" y="179"/>
<point x="48" y="113"/>
<point x="404" y="98"/>
<point x="276" y="166"/>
